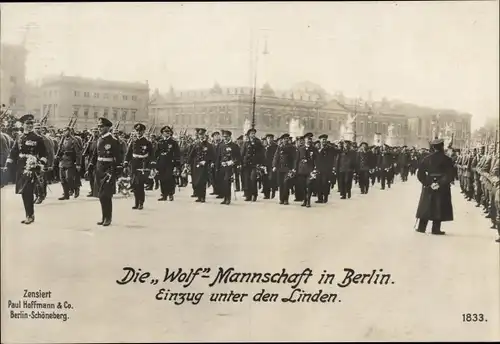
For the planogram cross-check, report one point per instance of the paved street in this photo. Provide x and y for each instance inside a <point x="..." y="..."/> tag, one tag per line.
<point x="436" y="279"/>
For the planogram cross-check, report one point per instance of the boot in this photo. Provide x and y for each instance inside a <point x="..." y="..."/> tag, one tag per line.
<point x="141" y="206"/>
<point x="63" y="198"/>
<point x="77" y="192"/>
<point x="171" y="198"/>
<point x="29" y="220"/>
<point x="254" y="199"/>
<point x="101" y="222"/>
<point x="304" y="203"/>
<point x="136" y="206"/>
<point x="106" y="222"/>
<point x="273" y="194"/>
<point x="163" y="198"/>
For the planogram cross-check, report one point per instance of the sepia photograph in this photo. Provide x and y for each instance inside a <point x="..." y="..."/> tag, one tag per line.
<point x="250" y="171"/>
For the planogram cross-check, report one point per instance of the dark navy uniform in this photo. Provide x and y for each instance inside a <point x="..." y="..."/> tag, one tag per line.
<point x="269" y="183"/>
<point x="106" y="158"/>
<point x="324" y="165"/>
<point x="306" y="163"/>
<point x="27" y="147"/>
<point x="345" y="166"/>
<point x="90" y="147"/>
<point x="386" y="168"/>
<point x="139" y="155"/>
<point x="201" y="158"/>
<point x="364" y="164"/>
<point x="283" y="164"/>
<point x="404" y="163"/>
<point x="41" y="189"/>
<point x="69" y="157"/>
<point x="228" y="156"/>
<point x="252" y="154"/>
<point x="168" y="163"/>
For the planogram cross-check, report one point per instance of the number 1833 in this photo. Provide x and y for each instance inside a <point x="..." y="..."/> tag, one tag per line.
<point x="473" y="317"/>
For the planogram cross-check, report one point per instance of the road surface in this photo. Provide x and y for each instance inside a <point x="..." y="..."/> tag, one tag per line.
<point x="436" y="279"/>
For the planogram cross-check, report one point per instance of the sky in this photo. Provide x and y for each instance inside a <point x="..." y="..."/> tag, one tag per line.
<point x="442" y="54"/>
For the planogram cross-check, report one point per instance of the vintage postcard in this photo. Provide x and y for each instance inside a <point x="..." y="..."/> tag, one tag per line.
<point x="250" y="171"/>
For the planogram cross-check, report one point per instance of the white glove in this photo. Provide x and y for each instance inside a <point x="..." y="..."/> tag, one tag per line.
<point x="202" y="163"/>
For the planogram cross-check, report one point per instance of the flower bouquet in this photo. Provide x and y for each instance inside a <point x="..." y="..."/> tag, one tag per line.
<point x="31" y="173"/>
<point x="124" y="186"/>
<point x="31" y="166"/>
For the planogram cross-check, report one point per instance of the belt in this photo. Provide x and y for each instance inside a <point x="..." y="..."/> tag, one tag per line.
<point x="22" y="155"/>
<point x="140" y="156"/>
<point x="105" y="159"/>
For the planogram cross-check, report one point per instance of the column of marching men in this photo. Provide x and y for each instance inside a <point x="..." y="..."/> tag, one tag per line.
<point x="478" y="173"/>
<point x="282" y="167"/>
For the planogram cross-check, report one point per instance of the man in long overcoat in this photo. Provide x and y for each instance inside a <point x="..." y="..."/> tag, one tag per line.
<point x="435" y="173"/>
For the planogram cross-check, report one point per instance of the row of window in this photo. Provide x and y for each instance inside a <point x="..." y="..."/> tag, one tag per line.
<point x="98" y="95"/>
<point x="95" y="95"/>
<point x="114" y="114"/>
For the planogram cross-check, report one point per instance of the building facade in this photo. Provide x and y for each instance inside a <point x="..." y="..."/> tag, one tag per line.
<point x="65" y="97"/>
<point x="13" y="76"/>
<point x="230" y="107"/>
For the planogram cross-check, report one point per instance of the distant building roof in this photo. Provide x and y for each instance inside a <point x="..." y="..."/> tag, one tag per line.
<point x="312" y="92"/>
<point x="96" y="82"/>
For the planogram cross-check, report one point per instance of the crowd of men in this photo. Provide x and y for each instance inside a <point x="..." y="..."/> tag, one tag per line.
<point x="282" y="166"/>
<point x="478" y="172"/>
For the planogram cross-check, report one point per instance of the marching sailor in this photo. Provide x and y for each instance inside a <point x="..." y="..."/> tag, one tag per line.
<point x="324" y="165"/>
<point x="252" y="154"/>
<point x="269" y="182"/>
<point x="201" y="158"/>
<point x="86" y="157"/>
<point x="30" y="155"/>
<point x="305" y="165"/>
<point x="139" y="154"/>
<point x="168" y="163"/>
<point x="69" y="157"/>
<point x="107" y="160"/>
<point x="228" y="156"/>
<point x="284" y="166"/>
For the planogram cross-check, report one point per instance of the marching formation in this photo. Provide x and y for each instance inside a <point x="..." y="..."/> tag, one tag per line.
<point x="114" y="162"/>
<point x="478" y="172"/>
